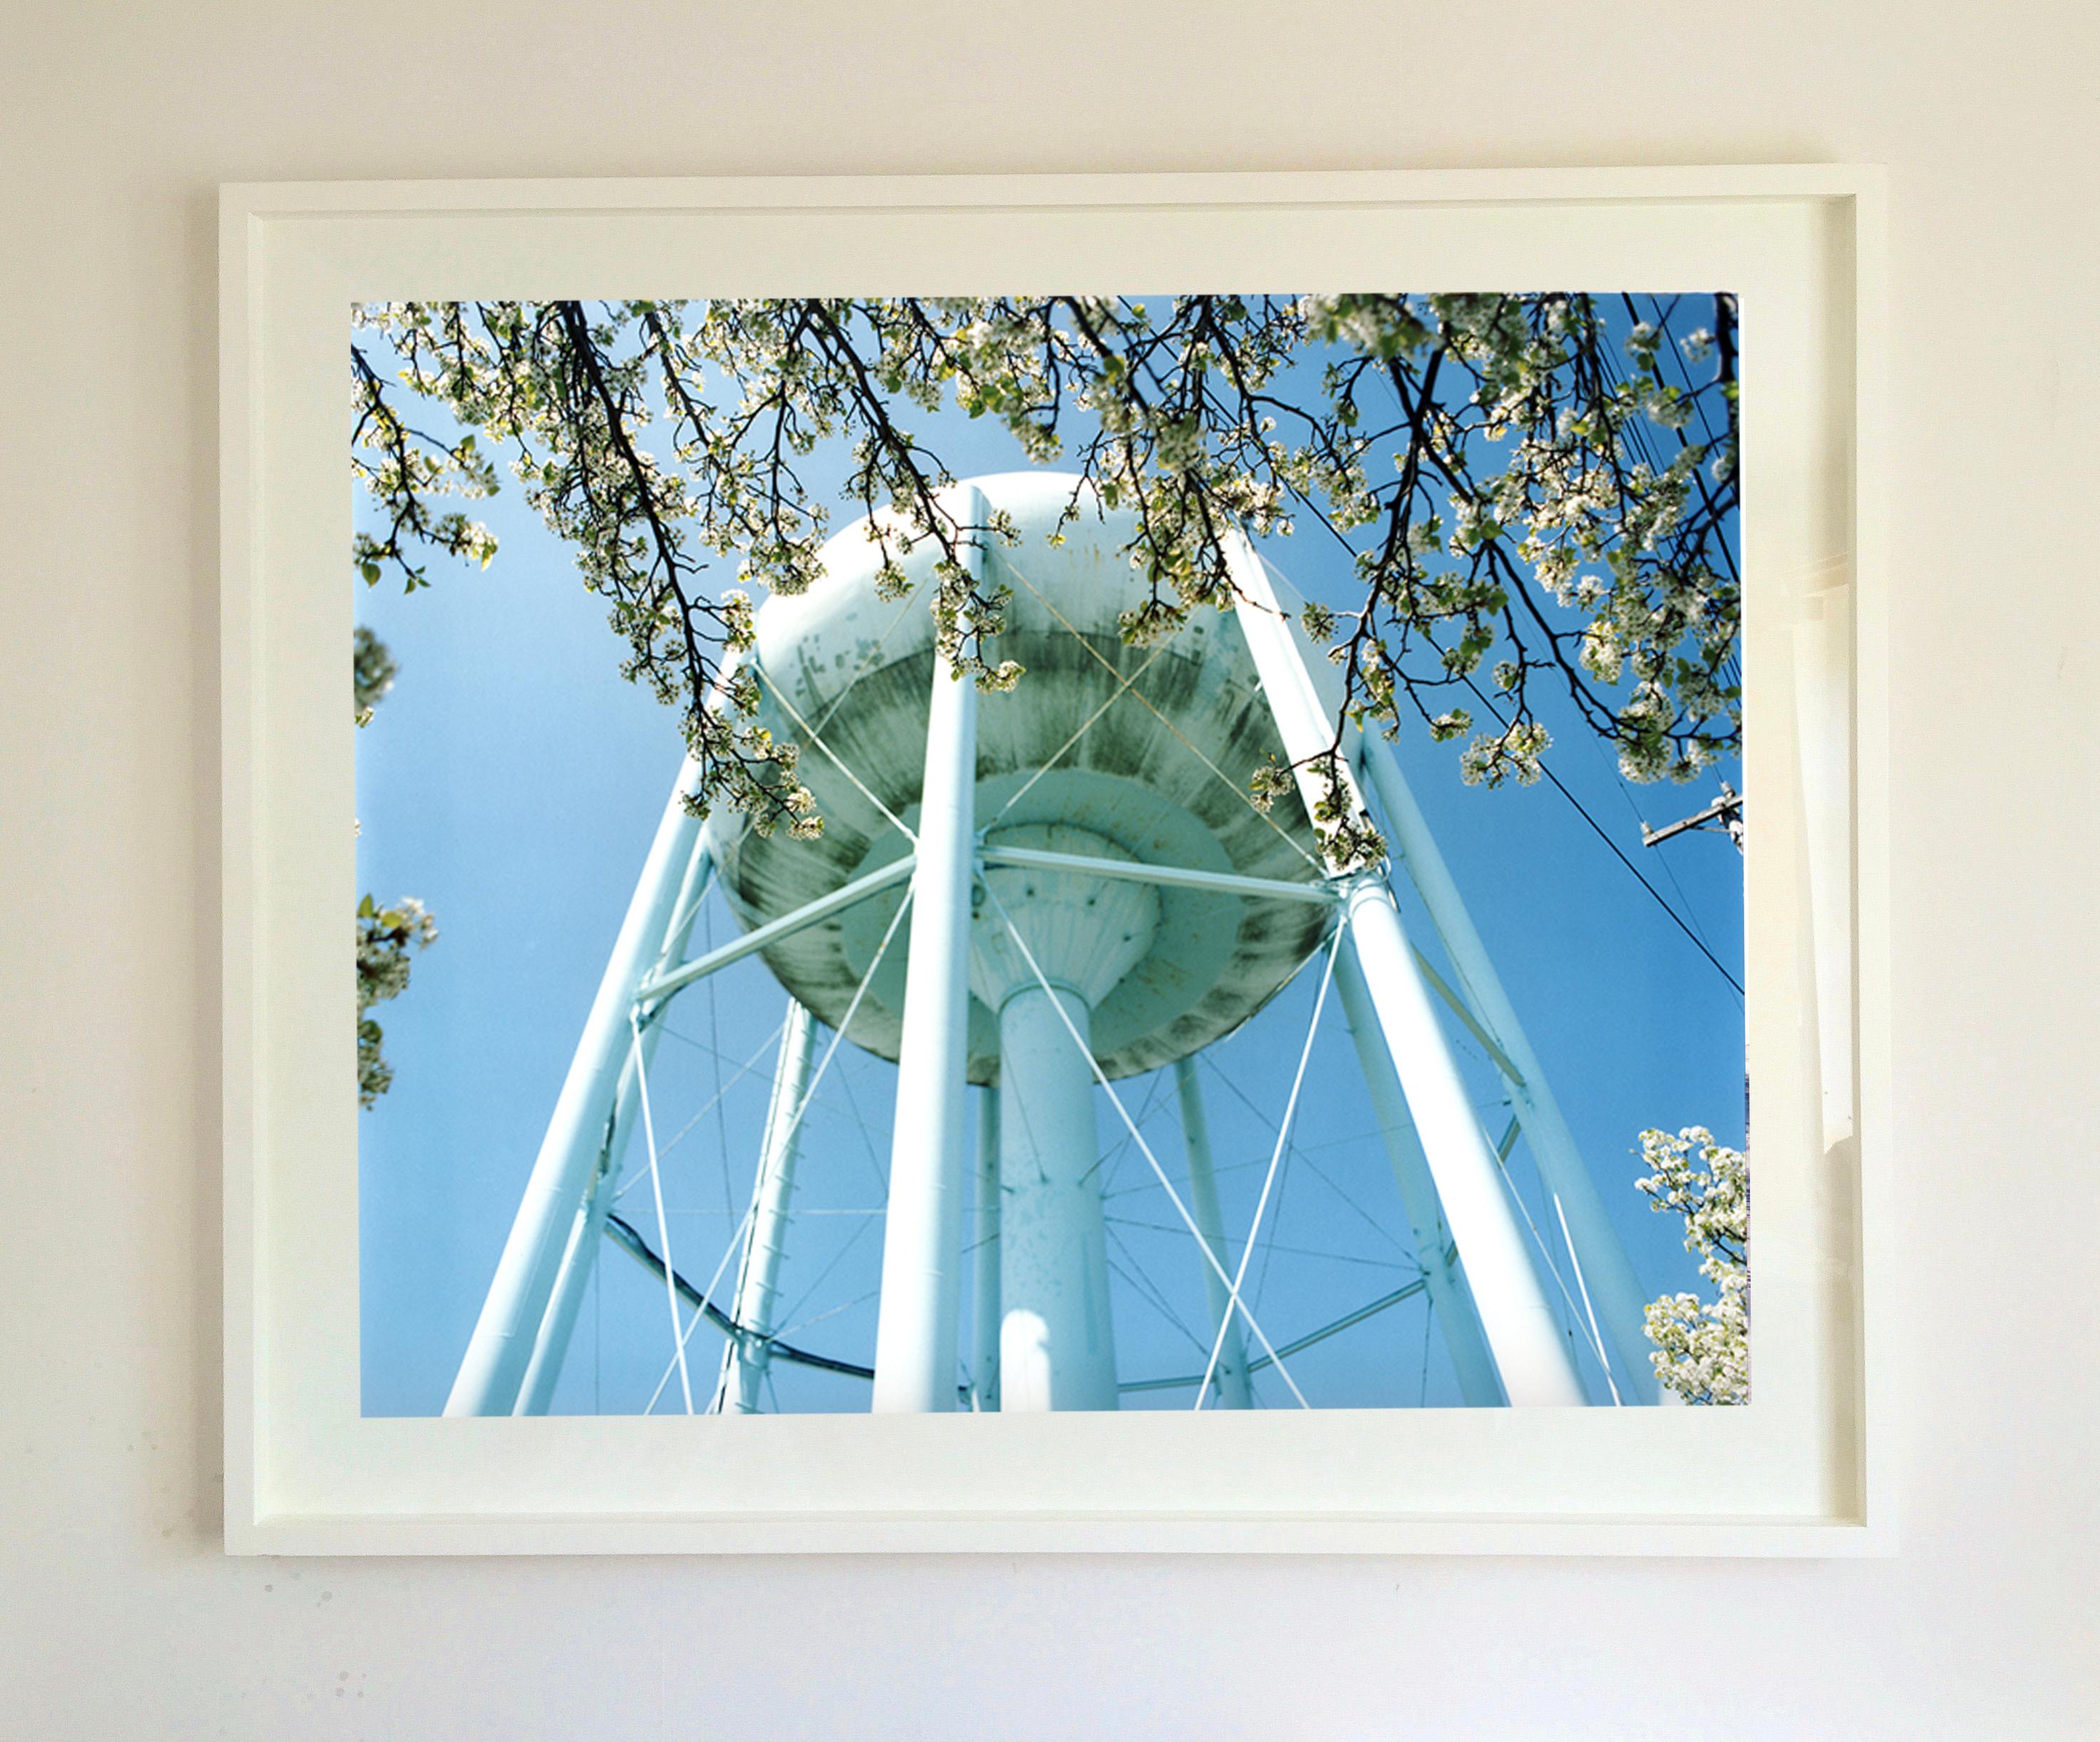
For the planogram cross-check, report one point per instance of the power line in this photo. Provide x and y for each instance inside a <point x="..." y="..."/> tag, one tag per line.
<point x="1633" y="869"/>
<point x="1669" y="871"/>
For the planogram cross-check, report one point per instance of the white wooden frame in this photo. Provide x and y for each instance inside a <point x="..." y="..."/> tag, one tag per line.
<point x="1801" y="1470"/>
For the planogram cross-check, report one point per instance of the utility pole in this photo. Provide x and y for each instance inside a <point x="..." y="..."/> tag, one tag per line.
<point x="1726" y="812"/>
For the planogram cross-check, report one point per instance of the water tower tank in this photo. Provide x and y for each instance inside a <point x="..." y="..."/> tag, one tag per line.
<point x="1102" y="750"/>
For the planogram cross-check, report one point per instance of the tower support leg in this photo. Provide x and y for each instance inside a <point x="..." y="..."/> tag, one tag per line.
<point x="1456" y="1314"/>
<point x="1056" y="1346"/>
<point x="550" y="1347"/>
<point x="491" y="1373"/>
<point x="1534" y="1364"/>
<point x="745" y="1361"/>
<point x="1230" y="1377"/>
<point x="1532" y="1357"/>
<point x="915" y="1338"/>
<point x="1607" y="1273"/>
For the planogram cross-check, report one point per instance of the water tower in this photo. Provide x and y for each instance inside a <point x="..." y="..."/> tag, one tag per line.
<point x="1045" y="892"/>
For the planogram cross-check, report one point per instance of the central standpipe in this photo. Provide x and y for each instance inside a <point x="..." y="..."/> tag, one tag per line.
<point x="1049" y="946"/>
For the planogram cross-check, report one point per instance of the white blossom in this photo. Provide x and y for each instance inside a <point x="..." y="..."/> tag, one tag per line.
<point x="1518" y="483"/>
<point x="385" y="935"/>
<point x="1703" y="1347"/>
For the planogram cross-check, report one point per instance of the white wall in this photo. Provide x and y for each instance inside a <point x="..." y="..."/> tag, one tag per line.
<point x="119" y="1617"/>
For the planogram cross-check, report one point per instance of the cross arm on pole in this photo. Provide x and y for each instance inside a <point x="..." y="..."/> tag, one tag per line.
<point x="1727" y="811"/>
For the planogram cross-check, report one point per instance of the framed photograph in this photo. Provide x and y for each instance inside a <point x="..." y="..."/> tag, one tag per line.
<point x="1054" y="863"/>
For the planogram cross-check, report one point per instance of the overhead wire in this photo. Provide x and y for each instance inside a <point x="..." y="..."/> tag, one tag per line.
<point x="1669" y="871"/>
<point x="1633" y="869"/>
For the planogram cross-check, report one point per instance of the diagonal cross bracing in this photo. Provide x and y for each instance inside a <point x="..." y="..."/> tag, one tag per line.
<point x="794" y="1125"/>
<point x="1268" y="1181"/>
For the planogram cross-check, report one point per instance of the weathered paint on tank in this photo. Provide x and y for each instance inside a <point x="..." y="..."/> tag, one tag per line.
<point x="858" y="669"/>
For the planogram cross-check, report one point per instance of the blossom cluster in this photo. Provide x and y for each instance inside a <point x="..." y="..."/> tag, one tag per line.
<point x="384" y="937"/>
<point x="372" y="672"/>
<point x="1525" y="489"/>
<point x="1703" y="1347"/>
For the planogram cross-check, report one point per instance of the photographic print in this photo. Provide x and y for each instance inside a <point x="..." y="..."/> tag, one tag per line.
<point x="1076" y="852"/>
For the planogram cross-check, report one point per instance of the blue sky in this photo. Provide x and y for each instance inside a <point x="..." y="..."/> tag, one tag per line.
<point x="512" y="781"/>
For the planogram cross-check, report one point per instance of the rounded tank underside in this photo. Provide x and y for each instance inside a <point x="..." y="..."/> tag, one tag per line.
<point x="1171" y="733"/>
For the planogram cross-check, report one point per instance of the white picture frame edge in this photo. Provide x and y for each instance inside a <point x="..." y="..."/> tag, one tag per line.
<point x="265" y="1514"/>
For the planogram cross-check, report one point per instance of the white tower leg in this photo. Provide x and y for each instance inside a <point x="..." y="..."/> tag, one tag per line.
<point x="1456" y="1316"/>
<point x="914" y="1339"/>
<point x="985" y="1312"/>
<point x="1230" y="1377"/>
<point x="543" y="1370"/>
<point x="1531" y="1355"/>
<point x="550" y="1347"/>
<point x="1614" y="1289"/>
<point x="1533" y="1362"/>
<point x="490" y="1374"/>
<point x="1057" y="1345"/>
<point x="744" y="1373"/>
